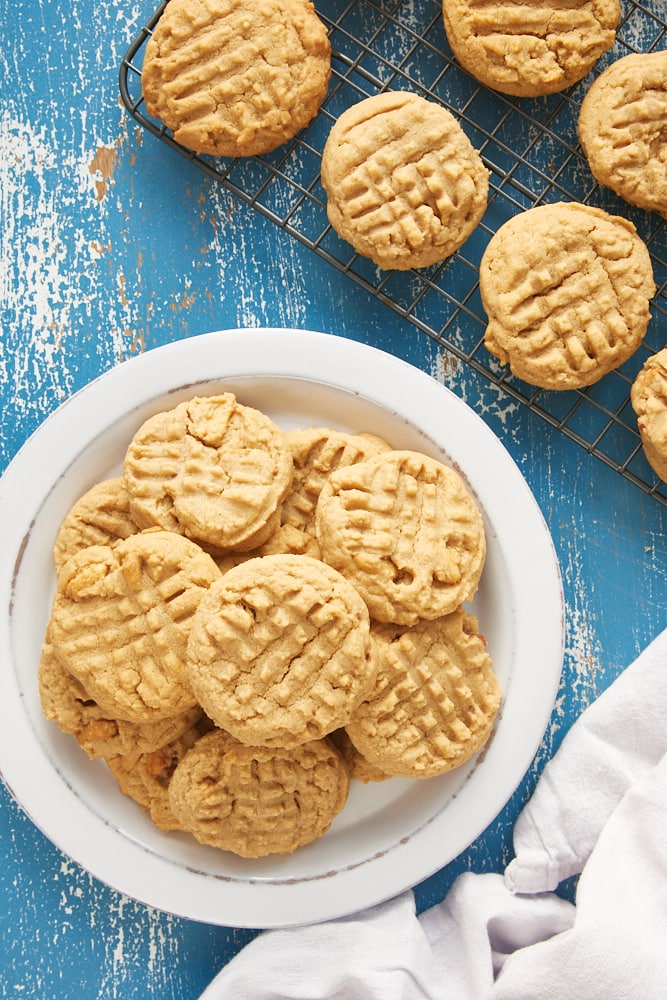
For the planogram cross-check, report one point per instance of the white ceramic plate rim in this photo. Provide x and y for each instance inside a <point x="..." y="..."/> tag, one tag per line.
<point x="518" y="536"/>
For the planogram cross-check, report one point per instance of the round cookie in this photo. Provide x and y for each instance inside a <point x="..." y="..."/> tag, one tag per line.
<point x="404" y="185"/>
<point x="648" y="396"/>
<point x="316" y="453"/>
<point x="434" y="701"/>
<point x="234" y="77"/>
<point x="255" y="801"/>
<point x="405" y="531"/>
<point x="211" y="469"/>
<point x="145" y="777"/>
<point x="65" y="702"/>
<point x="622" y="129"/>
<point x="100" y="517"/>
<point x="530" y="49"/>
<point x="566" y="288"/>
<point x="121" y="617"/>
<point x="279" y="652"/>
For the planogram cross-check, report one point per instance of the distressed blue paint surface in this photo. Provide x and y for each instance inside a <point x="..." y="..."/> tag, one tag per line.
<point x="113" y="245"/>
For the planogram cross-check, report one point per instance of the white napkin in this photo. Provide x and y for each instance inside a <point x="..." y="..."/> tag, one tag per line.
<point x="600" y="808"/>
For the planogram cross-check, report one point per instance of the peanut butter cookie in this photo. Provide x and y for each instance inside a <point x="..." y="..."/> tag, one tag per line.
<point x="566" y="288"/>
<point x="622" y="129"/>
<point x="211" y="469"/>
<point x="404" y="184"/>
<point x="65" y="702"/>
<point x="434" y="700"/>
<point x="145" y="777"/>
<point x="235" y="77"/>
<point x="649" y="401"/>
<point x="255" y="801"/>
<point x="529" y="49"/>
<point x="120" y="621"/>
<point x="280" y="651"/>
<point x="405" y="531"/>
<point x="316" y="453"/>
<point x="100" y="517"/>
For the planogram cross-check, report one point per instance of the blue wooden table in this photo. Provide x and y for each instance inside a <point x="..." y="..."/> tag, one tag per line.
<point x="112" y="245"/>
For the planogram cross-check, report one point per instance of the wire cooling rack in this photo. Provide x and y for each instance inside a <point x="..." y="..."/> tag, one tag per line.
<point x="531" y="150"/>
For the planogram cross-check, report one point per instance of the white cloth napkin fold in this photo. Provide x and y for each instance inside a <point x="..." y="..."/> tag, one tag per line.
<point x="600" y="808"/>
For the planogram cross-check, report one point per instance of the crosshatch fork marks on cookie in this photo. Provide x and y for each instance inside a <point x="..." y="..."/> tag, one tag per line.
<point x="531" y="149"/>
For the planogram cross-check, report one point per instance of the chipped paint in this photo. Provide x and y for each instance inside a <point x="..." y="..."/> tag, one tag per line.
<point x="102" y="169"/>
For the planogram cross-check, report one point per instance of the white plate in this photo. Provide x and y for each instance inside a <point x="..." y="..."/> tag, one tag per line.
<point x="390" y="835"/>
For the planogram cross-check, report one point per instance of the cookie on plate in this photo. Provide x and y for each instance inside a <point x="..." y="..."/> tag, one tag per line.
<point x="566" y="288"/>
<point x="100" y="517"/>
<point x="254" y="801"/>
<point x="120" y="621"/>
<point x="622" y="129"/>
<point x="405" y="531"/>
<point x="211" y="469"/>
<point x="316" y="453"/>
<point x="404" y="184"/>
<point x="145" y="777"/>
<point x="234" y="77"/>
<point x="530" y="49"/>
<point x="434" y="701"/>
<point x="279" y="652"/>
<point x="649" y="401"/>
<point x="65" y="702"/>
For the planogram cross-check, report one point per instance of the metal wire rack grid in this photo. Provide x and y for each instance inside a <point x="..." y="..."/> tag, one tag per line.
<point x="532" y="152"/>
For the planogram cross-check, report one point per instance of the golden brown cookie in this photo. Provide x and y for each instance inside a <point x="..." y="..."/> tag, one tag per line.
<point x="566" y="288"/>
<point x="280" y="651"/>
<point x="100" y="517"/>
<point x="622" y="129"/>
<point x="145" y="777"/>
<point x="65" y="702"/>
<point x="529" y="49"/>
<point x="255" y="801"/>
<point x="649" y="401"/>
<point x="211" y="469"/>
<point x="404" y="184"/>
<point x="405" y="531"/>
<point x="316" y="453"/>
<point x="434" y="701"/>
<point x="120" y="621"/>
<point x="236" y="77"/>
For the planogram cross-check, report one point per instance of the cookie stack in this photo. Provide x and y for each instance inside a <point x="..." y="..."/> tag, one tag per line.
<point x="247" y="618"/>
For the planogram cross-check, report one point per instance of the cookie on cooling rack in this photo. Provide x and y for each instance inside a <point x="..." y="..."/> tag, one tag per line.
<point x="65" y="702"/>
<point x="100" y="517"/>
<point x="530" y="49"/>
<point x="648" y="396"/>
<point x="405" y="531"/>
<point x="622" y="129"/>
<point x="279" y="652"/>
<point x="566" y="288"/>
<point x="234" y="77"/>
<point x="211" y="469"/>
<point x="254" y="801"/>
<point x="120" y="621"/>
<point x="404" y="185"/>
<point x="434" y="700"/>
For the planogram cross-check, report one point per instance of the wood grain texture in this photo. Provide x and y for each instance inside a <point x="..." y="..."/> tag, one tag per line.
<point x="112" y="245"/>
